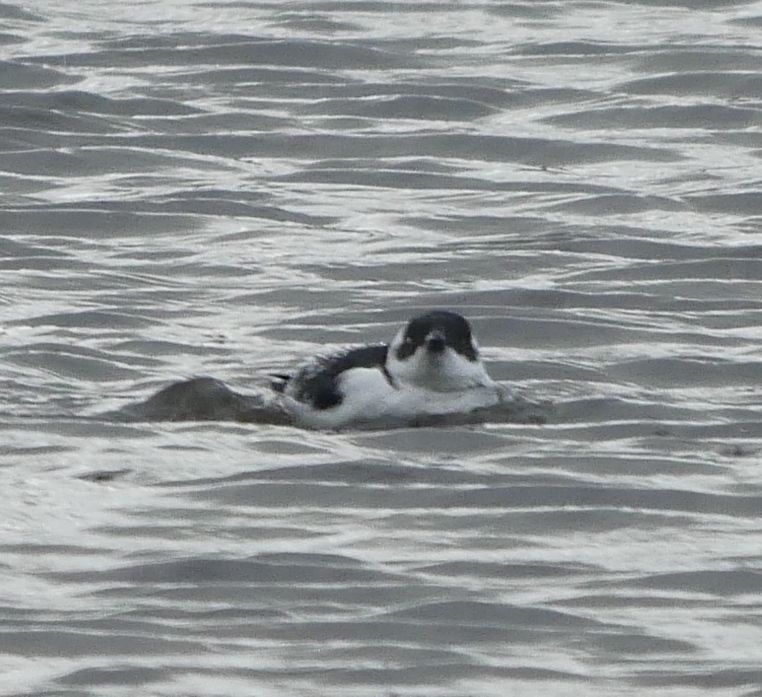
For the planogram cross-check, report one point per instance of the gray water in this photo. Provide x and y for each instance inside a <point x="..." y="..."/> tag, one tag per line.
<point x="223" y="188"/>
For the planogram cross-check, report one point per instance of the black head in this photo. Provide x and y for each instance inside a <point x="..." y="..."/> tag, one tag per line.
<point x="438" y="330"/>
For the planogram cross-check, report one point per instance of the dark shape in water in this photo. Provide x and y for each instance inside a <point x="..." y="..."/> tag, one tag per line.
<point x="104" y="476"/>
<point x="203" y="399"/>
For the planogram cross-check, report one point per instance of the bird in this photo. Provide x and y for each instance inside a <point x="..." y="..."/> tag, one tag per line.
<point x="431" y="368"/>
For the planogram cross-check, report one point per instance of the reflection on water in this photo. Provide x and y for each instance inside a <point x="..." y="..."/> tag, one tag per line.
<point x="223" y="189"/>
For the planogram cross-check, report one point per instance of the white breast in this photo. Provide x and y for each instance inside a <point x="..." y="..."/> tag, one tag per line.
<point x="368" y="398"/>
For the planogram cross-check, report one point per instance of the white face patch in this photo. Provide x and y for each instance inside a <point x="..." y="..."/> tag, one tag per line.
<point x="434" y="368"/>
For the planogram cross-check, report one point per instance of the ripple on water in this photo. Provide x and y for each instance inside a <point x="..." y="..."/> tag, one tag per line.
<point x="241" y="186"/>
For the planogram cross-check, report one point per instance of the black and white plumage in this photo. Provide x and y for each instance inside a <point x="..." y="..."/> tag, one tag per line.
<point x="432" y="367"/>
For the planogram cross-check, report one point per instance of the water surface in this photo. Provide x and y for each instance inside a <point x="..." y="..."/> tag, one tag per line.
<point x="223" y="188"/>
